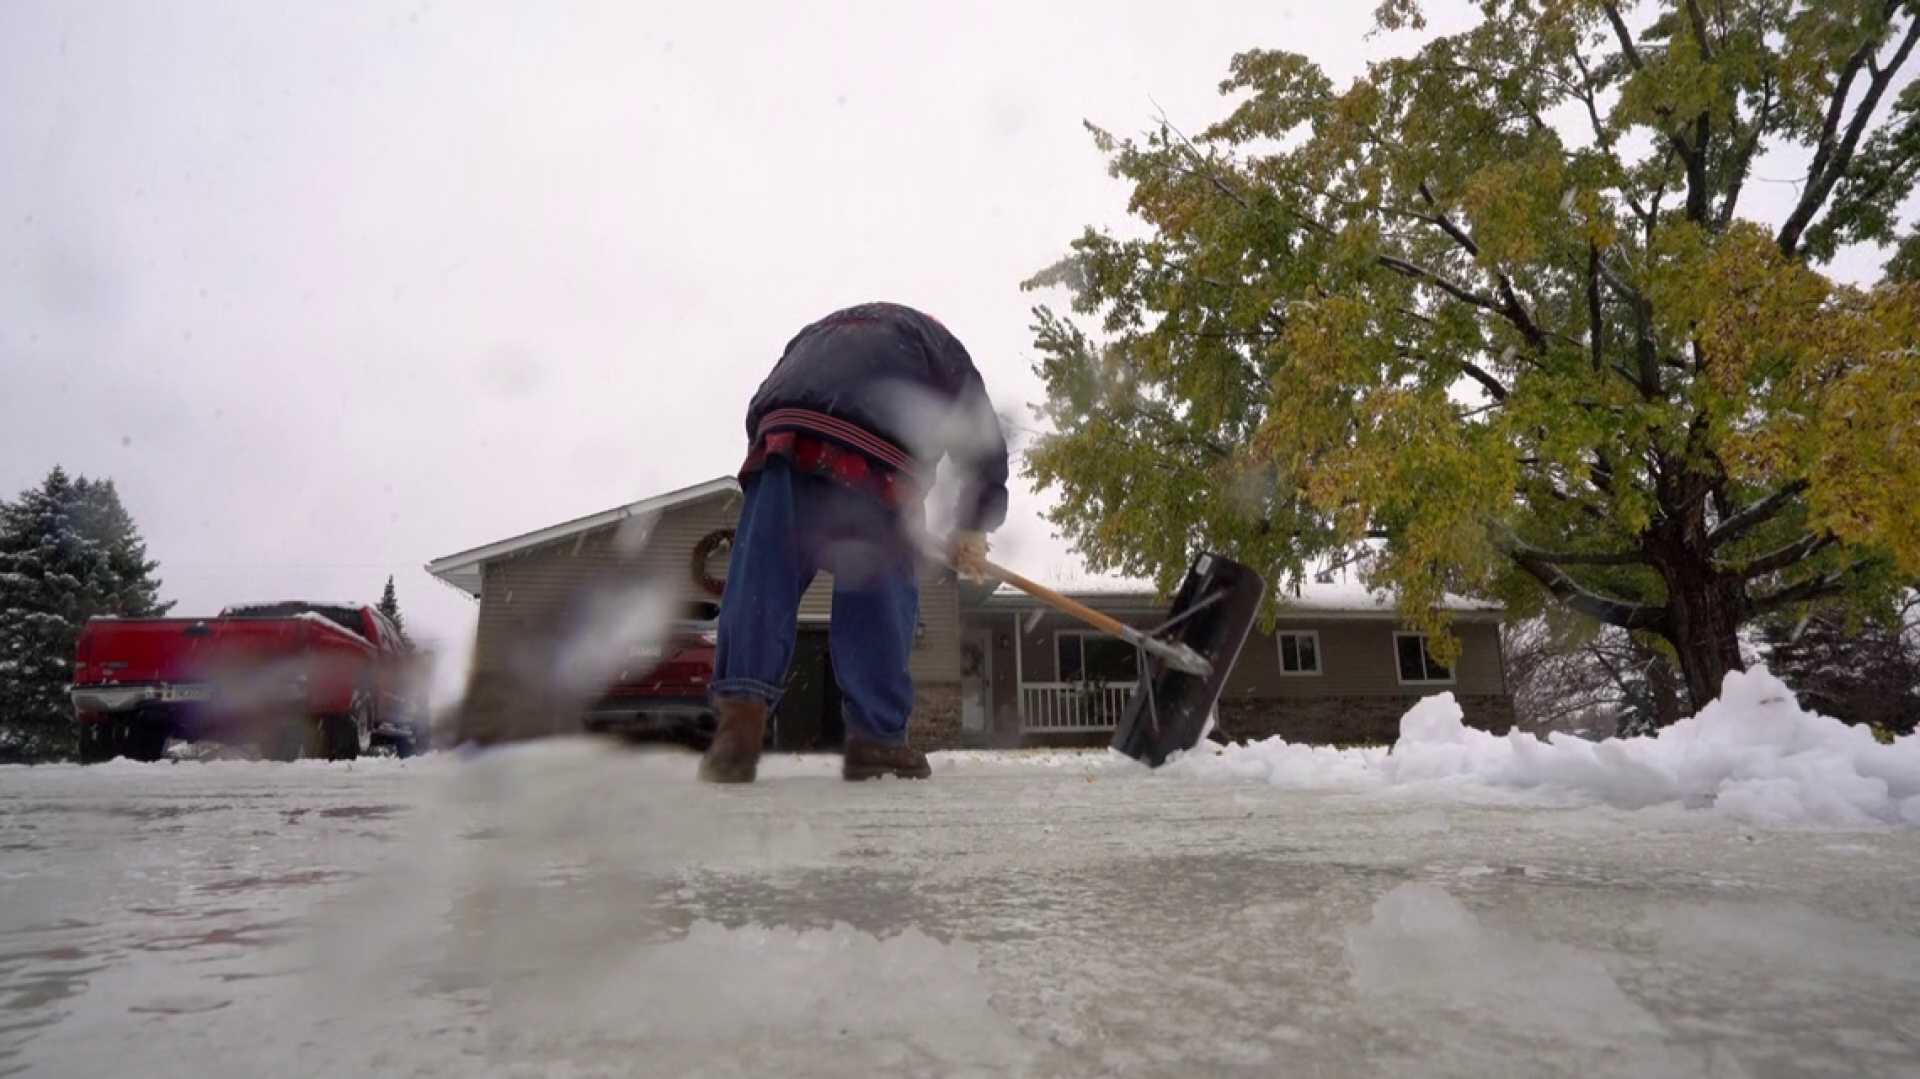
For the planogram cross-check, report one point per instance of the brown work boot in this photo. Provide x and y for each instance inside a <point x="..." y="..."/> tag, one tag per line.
<point x="734" y="756"/>
<point x="867" y="760"/>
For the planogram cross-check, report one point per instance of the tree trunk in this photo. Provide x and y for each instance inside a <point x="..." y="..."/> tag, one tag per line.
<point x="1705" y="611"/>
<point x="1663" y="692"/>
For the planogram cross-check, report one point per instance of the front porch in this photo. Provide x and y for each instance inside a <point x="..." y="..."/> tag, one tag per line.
<point x="1030" y="676"/>
<point x="1069" y="708"/>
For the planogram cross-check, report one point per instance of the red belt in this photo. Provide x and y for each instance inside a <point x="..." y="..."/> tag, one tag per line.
<point x="850" y="468"/>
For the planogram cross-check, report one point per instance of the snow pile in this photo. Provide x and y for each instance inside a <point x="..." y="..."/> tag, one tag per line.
<point x="1753" y="754"/>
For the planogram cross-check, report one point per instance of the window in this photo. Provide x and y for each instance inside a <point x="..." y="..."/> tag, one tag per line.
<point x="1299" y="652"/>
<point x="1416" y="661"/>
<point x="1090" y="657"/>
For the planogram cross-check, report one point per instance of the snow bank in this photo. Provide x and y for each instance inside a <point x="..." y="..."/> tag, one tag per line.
<point x="1754" y="754"/>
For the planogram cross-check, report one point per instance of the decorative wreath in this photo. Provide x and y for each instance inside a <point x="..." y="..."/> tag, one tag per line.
<point x="718" y="541"/>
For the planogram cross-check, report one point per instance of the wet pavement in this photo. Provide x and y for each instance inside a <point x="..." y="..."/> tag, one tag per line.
<point x="569" y="910"/>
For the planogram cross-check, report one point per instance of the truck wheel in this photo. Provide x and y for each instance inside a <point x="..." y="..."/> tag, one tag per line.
<point x="99" y="740"/>
<point x="413" y="743"/>
<point x="146" y="741"/>
<point x="340" y="736"/>
<point x="293" y="738"/>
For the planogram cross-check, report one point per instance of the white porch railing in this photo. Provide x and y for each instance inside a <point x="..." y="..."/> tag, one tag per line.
<point x="1065" y="707"/>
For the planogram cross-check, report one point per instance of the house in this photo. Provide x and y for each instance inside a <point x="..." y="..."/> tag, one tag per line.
<point x="991" y="666"/>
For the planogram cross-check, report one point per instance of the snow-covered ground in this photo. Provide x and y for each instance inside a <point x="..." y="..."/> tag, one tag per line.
<point x="1753" y="754"/>
<point x="567" y="909"/>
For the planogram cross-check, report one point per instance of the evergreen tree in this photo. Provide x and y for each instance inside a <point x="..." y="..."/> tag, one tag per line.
<point x="68" y="551"/>
<point x="390" y="606"/>
<point x="130" y="589"/>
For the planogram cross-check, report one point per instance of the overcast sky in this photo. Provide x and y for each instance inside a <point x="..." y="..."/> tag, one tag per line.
<point x="334" y="289"/>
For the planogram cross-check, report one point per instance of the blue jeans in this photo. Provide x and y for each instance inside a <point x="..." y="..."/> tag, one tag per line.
<point x="792" y="526"/>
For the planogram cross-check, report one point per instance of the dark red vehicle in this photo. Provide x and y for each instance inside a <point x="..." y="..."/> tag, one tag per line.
<point x="313" y="679"/>
<point x="661" y="693"/>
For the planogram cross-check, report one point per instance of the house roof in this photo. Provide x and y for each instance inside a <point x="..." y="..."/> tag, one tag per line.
<point x="462" y="570"/>
<point x="1344" y="598"/>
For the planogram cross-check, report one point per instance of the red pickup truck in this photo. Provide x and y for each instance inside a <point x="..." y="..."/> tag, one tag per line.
<point x="661" y="690"/>
<point x="312" y="679"/>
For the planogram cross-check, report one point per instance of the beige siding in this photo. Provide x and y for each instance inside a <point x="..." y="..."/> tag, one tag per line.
<point x="936" y="657"/>
<point x="539" y="592"/>
<point x="1356" y="658"/>
<point x="542" y="590"/>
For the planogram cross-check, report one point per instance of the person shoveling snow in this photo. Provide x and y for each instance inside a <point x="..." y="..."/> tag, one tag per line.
<point x="844" y="436"/>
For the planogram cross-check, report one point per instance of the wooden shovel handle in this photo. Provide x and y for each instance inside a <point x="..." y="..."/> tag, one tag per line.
<point x="1103" y="622"/>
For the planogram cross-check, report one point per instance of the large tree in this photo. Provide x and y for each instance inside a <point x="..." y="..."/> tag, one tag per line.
<point x="68" y="551"/>
<point x="1495" y="318"/>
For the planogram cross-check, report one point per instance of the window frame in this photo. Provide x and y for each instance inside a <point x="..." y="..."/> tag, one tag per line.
<point x="1059" y="668"/>
<point x="1426" y="653"/>
<point x="1280" y="653"/>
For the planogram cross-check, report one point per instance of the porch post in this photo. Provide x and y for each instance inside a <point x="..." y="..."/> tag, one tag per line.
<point x="1019" y="674"/>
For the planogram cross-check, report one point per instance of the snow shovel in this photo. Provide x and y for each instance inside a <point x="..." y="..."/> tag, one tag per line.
<point x="1211" y="616"/>
<point x="1184" y="661"/>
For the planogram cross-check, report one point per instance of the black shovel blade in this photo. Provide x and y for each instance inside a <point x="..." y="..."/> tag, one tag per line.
<point x="1212" y="614"/>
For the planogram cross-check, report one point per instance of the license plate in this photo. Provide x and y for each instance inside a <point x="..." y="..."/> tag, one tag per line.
<point x="187" y="693"/>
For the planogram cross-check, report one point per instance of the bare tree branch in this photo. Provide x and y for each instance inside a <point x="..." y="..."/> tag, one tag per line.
<point x="1581" y="504"/>
<point x="1699" y="187"/>
<point x="1600" y="136"/>
<point x="1206" y="172"/>
<point x="1742" y="161"/>
<point x="1827" y="584"/>
<point x="1597" y="327"/>
<point x="1743" y="522"/>
<point x="1589" y="558"/>
<point x="1439" y="217"/>
<point x="1831" y="159"/>
<point x="1457" y="291"/>
<point x="1694" y="156"/>
<point x="1626" y="36"/>
<point x="1699" y="22"/>
<point x="1495" y="389"/>
<point x="1613" y="612"/>
<point x="1515" y="311"/>
<point x="1781" y="557"/>
<point x="1518" y="314"/>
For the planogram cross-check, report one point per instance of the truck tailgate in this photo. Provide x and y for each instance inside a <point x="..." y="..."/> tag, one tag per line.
<point x="190" y="650"/>
<point x="138" y="650"/>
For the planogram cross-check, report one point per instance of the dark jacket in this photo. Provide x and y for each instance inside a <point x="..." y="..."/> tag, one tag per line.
<point x="896" y="374"/>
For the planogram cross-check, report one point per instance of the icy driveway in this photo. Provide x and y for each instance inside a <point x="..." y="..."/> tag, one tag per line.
<point x="562" y="910"/>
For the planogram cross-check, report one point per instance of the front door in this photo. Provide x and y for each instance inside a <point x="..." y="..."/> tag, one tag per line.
<point x="976" y="680"/>
<point x="808" y="717"/>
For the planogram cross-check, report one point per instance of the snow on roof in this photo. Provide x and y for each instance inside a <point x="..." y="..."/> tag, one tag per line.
<point x="462" y="570"/>
<point x="1349" y="595"/>
<point x="1342" y="595"/>
<point x="243" y="609"/>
